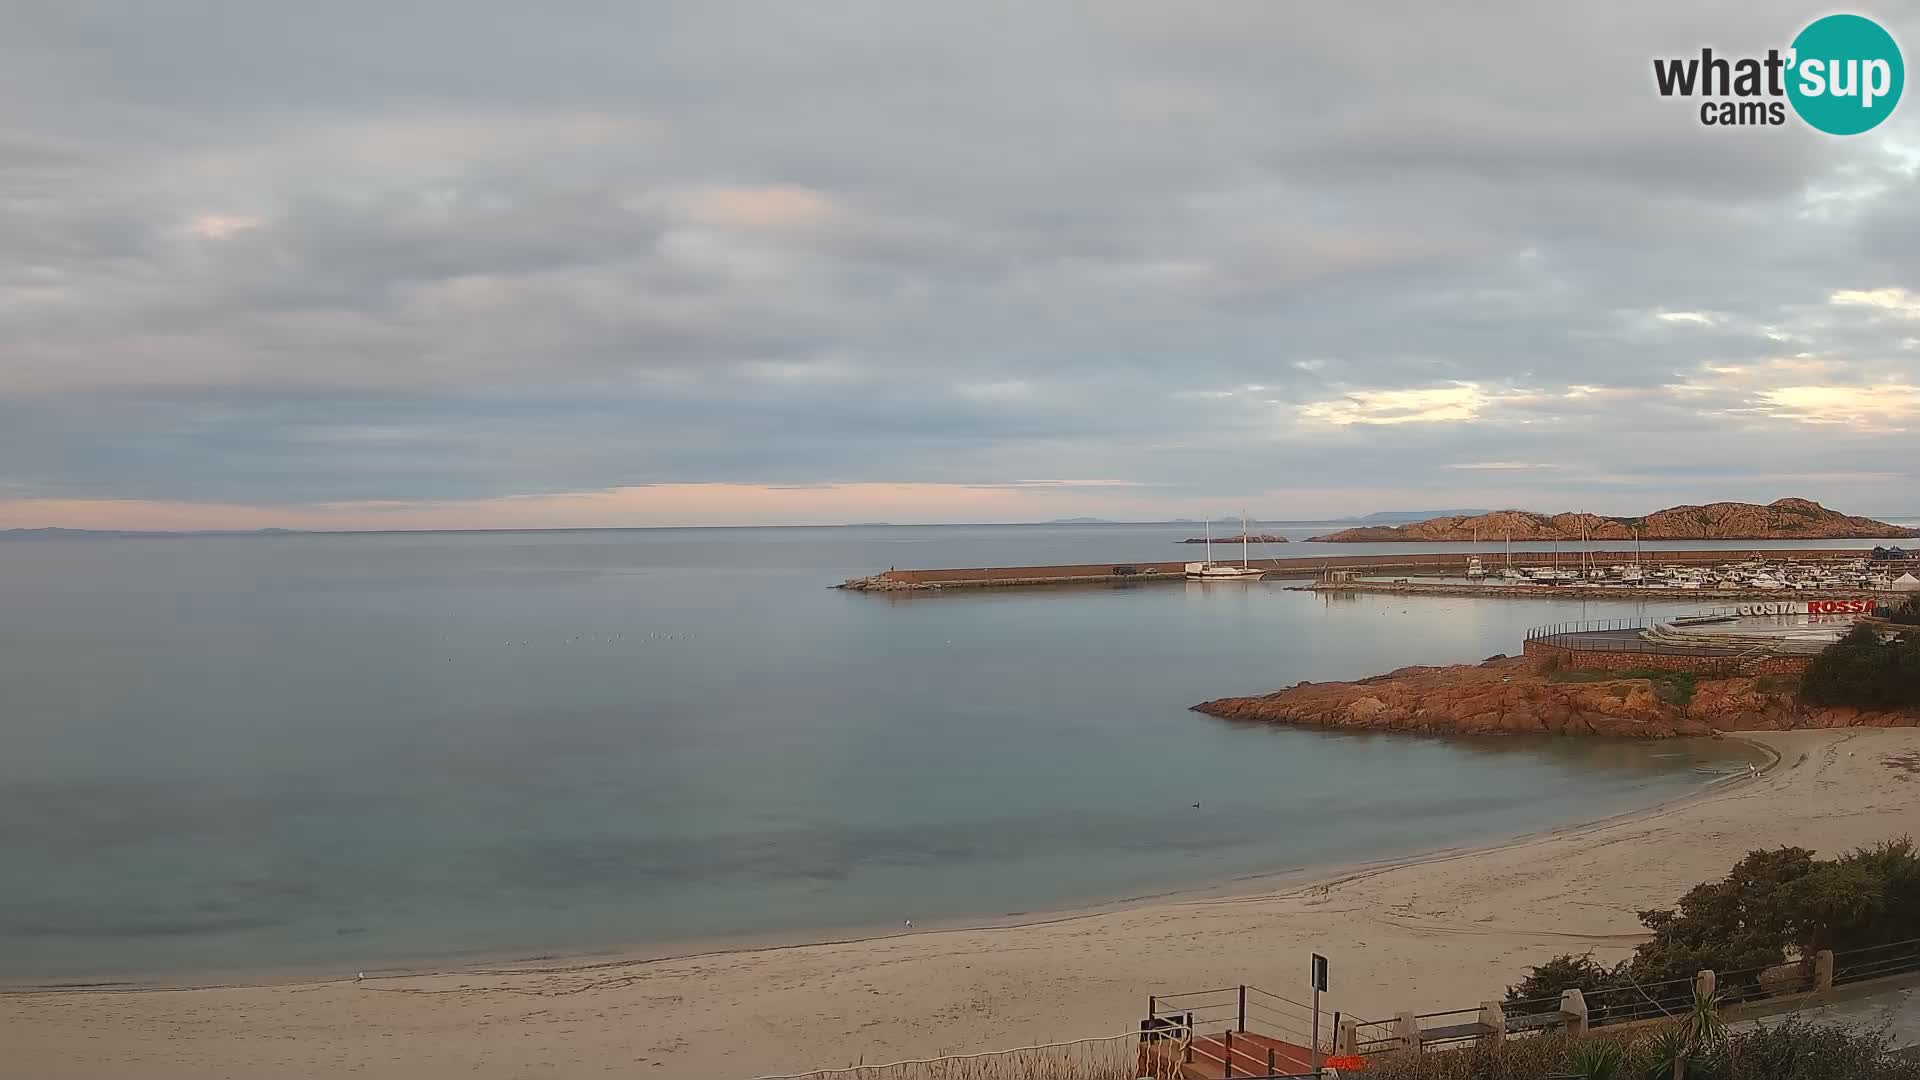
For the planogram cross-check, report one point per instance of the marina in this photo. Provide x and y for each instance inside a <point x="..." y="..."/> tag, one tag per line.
<point x="1716" y="573"/>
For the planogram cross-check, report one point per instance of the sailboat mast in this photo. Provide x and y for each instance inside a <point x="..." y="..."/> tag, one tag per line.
<point x="1209" y="541"/>
<point x="1243" y="539"/>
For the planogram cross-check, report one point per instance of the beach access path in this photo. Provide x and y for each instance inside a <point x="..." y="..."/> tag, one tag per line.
<point x="1443" y="931"/>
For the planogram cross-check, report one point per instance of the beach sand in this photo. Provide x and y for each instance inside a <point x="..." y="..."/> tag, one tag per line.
<point x="1444" y="931"/>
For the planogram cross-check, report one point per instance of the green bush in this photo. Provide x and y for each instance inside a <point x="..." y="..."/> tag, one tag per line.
<point x="1545" y="983"/>
<point x="1772" y="906"/>
<point x="1866" y="672"/>
<point x="1672" y="687"/>
<point x="1597" y="1059"/>
<point x="1792" y="1050"/>
<point x="1797" y="1050"/>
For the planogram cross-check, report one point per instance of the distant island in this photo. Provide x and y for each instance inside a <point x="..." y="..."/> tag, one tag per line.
<point x="1782" y="519"/>
<point x="1251" y="538"/>
<point x="1082" y="521"/>
<point x="55" y="533"/>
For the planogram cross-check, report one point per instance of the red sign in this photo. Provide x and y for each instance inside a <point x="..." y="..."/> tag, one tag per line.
<point x="1839" y="607"/>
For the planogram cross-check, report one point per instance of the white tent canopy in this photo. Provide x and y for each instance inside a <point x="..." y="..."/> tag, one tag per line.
<point x="1906" y="583"/>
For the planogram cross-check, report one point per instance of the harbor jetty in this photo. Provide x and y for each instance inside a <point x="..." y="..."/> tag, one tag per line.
<point x="1433" y="564"/>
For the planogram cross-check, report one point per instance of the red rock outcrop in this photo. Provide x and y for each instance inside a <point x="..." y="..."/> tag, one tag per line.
<point x="1782" y="519"/>
<point x="1512" y="696"/>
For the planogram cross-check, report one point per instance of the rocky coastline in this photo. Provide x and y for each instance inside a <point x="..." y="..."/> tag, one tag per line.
<point x="1519" y="696"/>
<point x="1251" y="538"/>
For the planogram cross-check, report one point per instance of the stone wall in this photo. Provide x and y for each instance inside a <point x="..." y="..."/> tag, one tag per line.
<point x="1596" y="660"/>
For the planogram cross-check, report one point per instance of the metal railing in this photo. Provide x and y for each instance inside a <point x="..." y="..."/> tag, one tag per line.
<point x="1766" y="981"/>
<point x="1375" y="1036"/>
<point x="1247" y="1020"/>
<point x="1452" y="1026"/>
<point x="1876" y="962"/>
<point x="1644" y="1001"/>
<point x="1539" y="1006"/>
<point x="1241" y="1008"/>
<point x="1709" y="657"/>
<point x="1588" y="626"/>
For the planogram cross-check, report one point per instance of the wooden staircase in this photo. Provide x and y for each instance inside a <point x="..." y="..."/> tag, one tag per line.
<point x="1248" y="1052"/>
<point x="1228" y="1032"/>
<point x="1206" y="1058"/>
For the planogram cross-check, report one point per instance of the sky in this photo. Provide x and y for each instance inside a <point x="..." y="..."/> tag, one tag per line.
<point x="473" y="264"/>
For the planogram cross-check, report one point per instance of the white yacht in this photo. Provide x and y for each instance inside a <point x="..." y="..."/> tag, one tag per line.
<point x="1213" y="571"/>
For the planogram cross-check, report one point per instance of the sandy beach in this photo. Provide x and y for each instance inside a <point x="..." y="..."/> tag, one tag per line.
<point x="1446" y="930"/>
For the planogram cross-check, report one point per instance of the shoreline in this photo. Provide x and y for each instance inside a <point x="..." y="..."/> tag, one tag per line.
<point x="1444" y="930"/>
<point x="749" y="942"/>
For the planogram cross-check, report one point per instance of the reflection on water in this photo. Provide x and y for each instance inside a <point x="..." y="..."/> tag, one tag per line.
<point x="334" y="753"/>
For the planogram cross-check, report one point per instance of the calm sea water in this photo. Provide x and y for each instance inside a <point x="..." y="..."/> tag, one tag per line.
<point x="330" y="753"/>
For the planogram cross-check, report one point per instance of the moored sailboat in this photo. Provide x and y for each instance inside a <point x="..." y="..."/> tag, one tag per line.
<point x="1213" y="571"/>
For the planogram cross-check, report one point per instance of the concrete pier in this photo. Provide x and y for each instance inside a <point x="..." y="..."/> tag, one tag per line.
<point x="1429" y="563"/>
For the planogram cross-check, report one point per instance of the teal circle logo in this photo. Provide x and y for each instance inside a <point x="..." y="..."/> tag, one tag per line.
<point x="1846" y="74"/>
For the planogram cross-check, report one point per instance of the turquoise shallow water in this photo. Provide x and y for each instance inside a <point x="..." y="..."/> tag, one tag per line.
<point x="329" y="753"/>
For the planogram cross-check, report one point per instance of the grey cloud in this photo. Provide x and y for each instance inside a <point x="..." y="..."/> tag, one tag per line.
<point x="446" y="250"/>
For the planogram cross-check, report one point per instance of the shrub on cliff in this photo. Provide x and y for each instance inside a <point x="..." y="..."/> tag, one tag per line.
<point x="1540" y="991"/>
<point x="1863" y="671"/>
<point x="1740" y="922"/>
<point x="1771" y="906"/>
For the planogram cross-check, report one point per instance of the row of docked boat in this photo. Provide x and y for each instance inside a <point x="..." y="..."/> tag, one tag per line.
<point x="1752" y="573"/>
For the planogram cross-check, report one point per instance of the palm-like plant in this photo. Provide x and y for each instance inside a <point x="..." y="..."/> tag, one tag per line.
<point x="1695" y="1045"/>
<point x="1596" y="1060"/>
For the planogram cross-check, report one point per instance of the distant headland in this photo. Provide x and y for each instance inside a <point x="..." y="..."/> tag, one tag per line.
<point x="1782" y="519"/>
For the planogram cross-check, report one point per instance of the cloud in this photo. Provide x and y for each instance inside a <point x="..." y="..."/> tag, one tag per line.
<point x="1450" y="404"/>
<point x="1898" y="302"/>
<point x="221" y="226"/>
<point x="1888" y="406"/>
<point x="763" y="207"/>
<point x="1187" y="251"/>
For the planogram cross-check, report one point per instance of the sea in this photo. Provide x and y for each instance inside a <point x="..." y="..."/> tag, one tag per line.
<point x="315" y="754"/>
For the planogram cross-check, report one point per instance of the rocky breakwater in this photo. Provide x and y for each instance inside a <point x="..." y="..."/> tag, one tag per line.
<point x="1517" y="696"/>
<point x="879" y="583"/>
<point x="1251" y="538"/>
